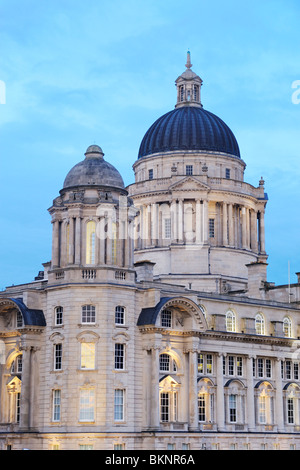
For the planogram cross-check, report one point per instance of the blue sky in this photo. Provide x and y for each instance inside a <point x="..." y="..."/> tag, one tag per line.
<point x="101" y="71"/>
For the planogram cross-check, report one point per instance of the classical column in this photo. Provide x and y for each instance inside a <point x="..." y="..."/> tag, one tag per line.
<point x="155" y="405"/>
<point x="198" y="221"/>
<point x="231" y="225"/>
<point x="225" y="226"/>
<point x="70" y="248"/>
<point x="174" y="224"/>
<point x="55" y="244"/>
<point x="253" y="230"/>
<point x="278" y="397"/>
<point x="180" y="220"/>
<point x="205" y="221"/>
<point x="262" y="231"/>
<point x="250" y="395"/>
<point x="25" y="405"/>
<point x="220" y="394"/>
<point x="193" y="402"/>
<point x="78" y="241"/>
<point x="154" y="220"/>
<point x="244" y="228"/>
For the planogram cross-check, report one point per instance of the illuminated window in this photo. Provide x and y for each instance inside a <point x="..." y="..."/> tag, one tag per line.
<point x="230" y="322"/>
<point x="17" y="365"/>
<point x="56" y="406"/>
<point x="119" y="405"/>
<point x="59" y="315"/>
<point x="90" y="242"/>
<point x="87" y="356"/>
<point x="168" y="406"/>
<point x="287" y="327"/>
<point x="88" y="314"/>
<point x="265" y="403"/>
<point x="119" y="315"/>
<point x="86" y="447"/>
<point x="87" y="404"/>
<point x="259" y="324"/>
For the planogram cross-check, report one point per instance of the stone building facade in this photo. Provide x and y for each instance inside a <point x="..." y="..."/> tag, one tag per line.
<point x="154" y="326"/>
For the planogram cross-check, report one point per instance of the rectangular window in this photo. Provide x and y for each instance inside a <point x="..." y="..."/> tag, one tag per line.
<point x="189" y="169"/>
<point x="119" y="405"/>
<point x="296" y="370"/>
<point x="119" y="356"/>
<point x="260" y="367"/>
<point x="19" y="320"/>
<point x="209" y="363"/>
<point x="164" y="407"/>
<point x="150" y="174"/>
<point x="268" y="368"/>
<point x="200" y="363"/>
<point x="120" y="315"/>
<point x="58" y="356"/>
<point x="87" y="404"/>
<point x="167" y="228"/>
<point x="290" y="410"/>
<point x="211" y="228"/>
<point x="201" y="407"/>
<point x="59" y="316"/>
<point x="227" y="173"/>
<point x="88" y="314"/>
<point x="232" y="408"/>
<point x="18" y="407"/>
<point x="56" y="405"/>
<point x="288" y="370"/>
<point x="230" y="365"/>
<point x="262" y="409"/>
<point x="239" y="365"/>
<point x="87" y="356"/>
<point x="166" y="318"/>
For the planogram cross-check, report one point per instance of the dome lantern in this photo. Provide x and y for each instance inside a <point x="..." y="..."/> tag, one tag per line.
<point x="188" y="86"/>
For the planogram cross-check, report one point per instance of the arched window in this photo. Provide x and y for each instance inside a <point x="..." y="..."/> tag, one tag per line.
<point x="196" y="90"/>
<point x="230" y="321"/>
<point x="181" y="93"/>
<point x="205" y="401"/>
<point x="58" y="315"/>
<point x="259" y="324"/>
<point x="287" y="327"/>
<point x="292" y="396"/>
<point x="90" y="242"/>
<point x="167" y="363"/>
<point x="235" y="394"/>
<point x="264" y="403"/>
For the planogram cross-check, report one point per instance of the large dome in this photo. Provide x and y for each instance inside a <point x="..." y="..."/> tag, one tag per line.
<point x="94" y="171"/>
<point x="189" y="128"/>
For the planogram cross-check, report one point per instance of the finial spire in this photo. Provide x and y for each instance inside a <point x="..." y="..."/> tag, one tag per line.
<point x="188" y="61"/>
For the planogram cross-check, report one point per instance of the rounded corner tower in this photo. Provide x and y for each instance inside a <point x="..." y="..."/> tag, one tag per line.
<point x="198" y="221"/>
<point x="92" y="218"/>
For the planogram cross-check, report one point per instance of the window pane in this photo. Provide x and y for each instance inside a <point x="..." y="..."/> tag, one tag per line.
<point x="87" y="356"/>
<point x="119" y="356"/>
<point x="120" y="315"/>
<point x="86" y="405"/>
<point x="166" y="318"/>
<point x="56" y="405"/>
<point x="119" y="405"/>
<point x="88" y="314"/>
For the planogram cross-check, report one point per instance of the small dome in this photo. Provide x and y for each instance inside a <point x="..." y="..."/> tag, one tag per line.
<point x="189" y="128"/>
<point x="94" y="171"/>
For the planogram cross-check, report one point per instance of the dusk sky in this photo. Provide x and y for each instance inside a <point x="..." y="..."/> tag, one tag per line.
<point x="75" y="73"/>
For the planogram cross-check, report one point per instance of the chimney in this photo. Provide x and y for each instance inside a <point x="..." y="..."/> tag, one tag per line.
<point x="257" y="276"/>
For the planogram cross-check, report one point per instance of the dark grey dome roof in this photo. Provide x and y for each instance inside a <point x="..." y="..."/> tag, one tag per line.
<point x="189" y="128"/>
<point x="94" y="171"/>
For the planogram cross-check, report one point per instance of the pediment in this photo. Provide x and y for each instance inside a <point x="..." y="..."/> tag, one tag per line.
<point x="189" y="183"/>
